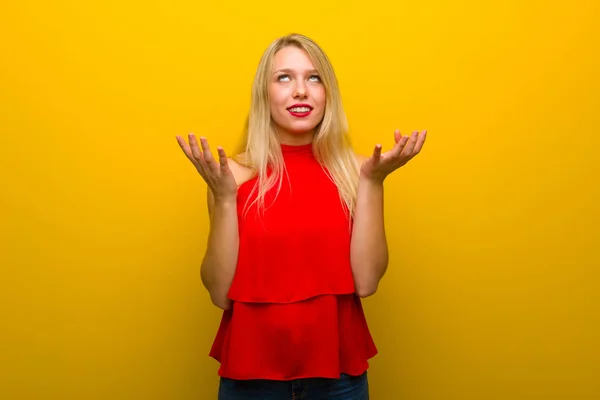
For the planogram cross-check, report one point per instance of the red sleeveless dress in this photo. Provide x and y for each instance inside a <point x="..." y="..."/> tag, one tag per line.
<point x="294" y="312"/>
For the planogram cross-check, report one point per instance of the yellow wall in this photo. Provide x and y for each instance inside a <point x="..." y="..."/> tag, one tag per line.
<point x="492" y="291"/>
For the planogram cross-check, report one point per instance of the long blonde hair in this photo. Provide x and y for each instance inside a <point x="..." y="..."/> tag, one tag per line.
<point x="331" y="143"/>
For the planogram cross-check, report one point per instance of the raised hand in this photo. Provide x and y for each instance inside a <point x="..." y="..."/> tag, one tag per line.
<point x="217" y="175"/>
<point x="379" y="166"/>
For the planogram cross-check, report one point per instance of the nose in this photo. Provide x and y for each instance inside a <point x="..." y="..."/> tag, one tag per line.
<point x="300" y="91"/>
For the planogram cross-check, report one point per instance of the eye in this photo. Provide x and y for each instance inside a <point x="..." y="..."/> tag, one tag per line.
<point x="314" y="78"/>
<point x="283" y="77"/>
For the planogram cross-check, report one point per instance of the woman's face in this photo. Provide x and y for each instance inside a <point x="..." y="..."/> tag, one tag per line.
<point x="297" y="95"/>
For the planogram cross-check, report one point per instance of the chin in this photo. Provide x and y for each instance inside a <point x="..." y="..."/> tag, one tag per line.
<point x="297" y="131"/>
<point x="302" y="128"/>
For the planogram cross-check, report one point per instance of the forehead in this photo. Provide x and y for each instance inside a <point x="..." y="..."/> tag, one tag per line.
<point x="293" y="58"/>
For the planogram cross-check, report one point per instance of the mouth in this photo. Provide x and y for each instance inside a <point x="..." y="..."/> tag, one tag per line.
<point x="300" y="110"/>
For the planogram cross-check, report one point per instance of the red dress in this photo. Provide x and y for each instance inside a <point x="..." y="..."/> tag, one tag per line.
<point x="294" y="312"/>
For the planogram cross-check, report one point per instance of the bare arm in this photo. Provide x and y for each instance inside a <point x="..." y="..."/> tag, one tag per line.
<point x="368" y="248"/>
<point x="222" y="177"/>
<point x="220" y="258"/>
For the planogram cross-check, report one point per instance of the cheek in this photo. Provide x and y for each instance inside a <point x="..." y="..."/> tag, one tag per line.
<point x="321" y="100"/>
<point x="277" y="99"/>
<point x="320" y="96"/>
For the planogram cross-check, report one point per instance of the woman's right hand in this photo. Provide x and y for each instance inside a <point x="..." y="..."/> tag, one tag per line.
<point x="217" y="175"/>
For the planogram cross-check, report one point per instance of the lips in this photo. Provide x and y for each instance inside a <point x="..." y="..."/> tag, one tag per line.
<point x="300" y="110"/>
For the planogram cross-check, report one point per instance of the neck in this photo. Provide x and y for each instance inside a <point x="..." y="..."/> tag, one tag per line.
<point x="299" y="139"/>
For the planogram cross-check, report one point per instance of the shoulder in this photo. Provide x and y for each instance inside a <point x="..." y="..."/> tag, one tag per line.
<point x="241" y="173"/>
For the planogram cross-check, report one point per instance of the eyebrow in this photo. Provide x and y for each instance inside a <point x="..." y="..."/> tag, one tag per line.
<point x="288" y="70"/>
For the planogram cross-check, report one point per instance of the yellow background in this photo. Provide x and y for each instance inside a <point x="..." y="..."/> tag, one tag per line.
<point x="492" y="291"/>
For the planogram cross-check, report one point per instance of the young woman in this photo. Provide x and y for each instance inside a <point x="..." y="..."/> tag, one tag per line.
<point x="296" y="235"/>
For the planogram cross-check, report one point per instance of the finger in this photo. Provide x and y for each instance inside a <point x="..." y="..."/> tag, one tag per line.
<point x="397" y="135"/>
<point x="377" y="153"/>
<point x="408" y="149"/>
<point x="208" y="157"/>
<point x="186" y="149"/>
<point x="198" y="156"/>
<point x="420" y="142"/>
<point x="196" y="152"/>
<point x="223" y="159"/>
<point x="399" y="146"/>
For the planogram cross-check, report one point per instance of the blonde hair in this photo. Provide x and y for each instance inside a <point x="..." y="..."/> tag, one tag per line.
<point x="331" y="143"/>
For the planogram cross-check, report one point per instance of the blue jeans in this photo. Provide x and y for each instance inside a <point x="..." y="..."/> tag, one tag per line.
<point x="346" y="388"/>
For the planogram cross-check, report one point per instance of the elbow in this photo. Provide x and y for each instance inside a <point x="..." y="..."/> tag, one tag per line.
<point x="366" y="284"/>
<point x="217" y="297"/>
<point x="218" y="293"/>
<point x="222" y="302"/>
<point x="363" y="291"/>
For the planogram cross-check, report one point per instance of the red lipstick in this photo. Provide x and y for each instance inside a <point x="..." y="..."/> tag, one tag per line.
<point x="300" y="110"/>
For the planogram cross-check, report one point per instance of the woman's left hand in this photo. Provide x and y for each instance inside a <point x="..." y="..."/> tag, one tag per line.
<point x="379" y="166"/>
